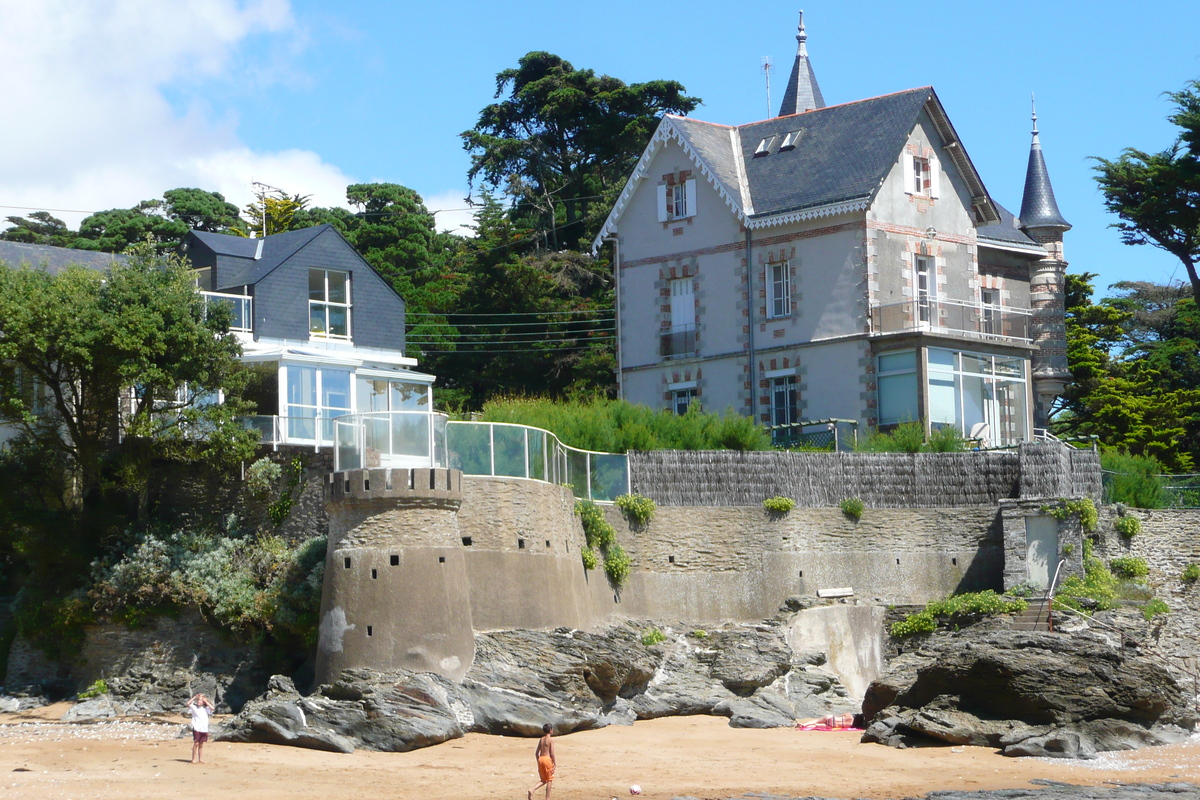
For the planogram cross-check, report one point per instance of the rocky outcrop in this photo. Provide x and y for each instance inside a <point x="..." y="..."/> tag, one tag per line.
<point x="1042" y="694"/>
<point x="1054" y="790"/>
<point x="571" y="679"/>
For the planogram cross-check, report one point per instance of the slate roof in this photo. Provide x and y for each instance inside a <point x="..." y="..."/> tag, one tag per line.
<point x="1007" y="230"/>
<point x="1039" y="209"/>
<point x="802" y="93"/>
<point x="276" y="249"/>
<point x="55" y="259"/>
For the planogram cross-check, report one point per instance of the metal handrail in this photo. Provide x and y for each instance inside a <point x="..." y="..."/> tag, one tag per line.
<point x="1048" y="601"/>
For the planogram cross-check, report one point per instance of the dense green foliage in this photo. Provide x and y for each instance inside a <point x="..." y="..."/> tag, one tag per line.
<point x="779" y="505"/>
<point x="909" y="437"/>
<point x="1083" y="508"/>
<point x="1128" y="526"/>
<point x="602" y="538"/>
<point x="1157" y="195"/>
<point x="1135" y="363"/>
<point x="617" y="565"/>
<point x="637" y="508"/>
<point x="852" y="507"/>
<point x="1190" y="574"/>
<point x="1129" y="567"/>
<point x="615" y="426"/>
<point x="73" y="483"/>
<point x="1154" y="607"/>
<point x="957" y="609"/>
<point x="98" y="688"/>
<point x="561" y="141"/>
<point x="1133" y="480"/>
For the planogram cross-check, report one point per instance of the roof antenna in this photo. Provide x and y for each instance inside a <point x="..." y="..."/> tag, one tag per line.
<point x="767" y="66"/>
<point x="1033" y="103"/>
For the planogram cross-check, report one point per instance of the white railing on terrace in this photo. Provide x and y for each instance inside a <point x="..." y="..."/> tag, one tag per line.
<point x="952" y="316"/>
<point x="499" y="449"/>
<point x="241" y="309"/>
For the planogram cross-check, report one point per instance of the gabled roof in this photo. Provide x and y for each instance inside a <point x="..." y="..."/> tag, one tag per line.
<point x="55" y="259"/>
<point x="841" y="157"/>
<point x="257" y="258"/>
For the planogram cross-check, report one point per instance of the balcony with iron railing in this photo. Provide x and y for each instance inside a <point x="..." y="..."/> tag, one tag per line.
<point x="954" y="317"/>
<point x="678" y="342"/>
<point x="240" y="306"/>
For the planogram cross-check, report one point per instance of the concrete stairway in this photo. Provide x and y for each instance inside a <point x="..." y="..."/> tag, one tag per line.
<point x="1035" y="617"/>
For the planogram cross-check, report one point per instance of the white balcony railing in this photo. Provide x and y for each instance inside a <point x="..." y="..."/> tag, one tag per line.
<point x="953" y="316"/>
<point x="241" y="309"/>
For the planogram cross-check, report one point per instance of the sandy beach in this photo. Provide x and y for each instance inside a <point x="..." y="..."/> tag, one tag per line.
<point x="701" y="756"/>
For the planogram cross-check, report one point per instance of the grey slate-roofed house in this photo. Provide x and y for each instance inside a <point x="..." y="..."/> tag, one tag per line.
<point x="327" y="327"/>
<point x="840" y="261"/>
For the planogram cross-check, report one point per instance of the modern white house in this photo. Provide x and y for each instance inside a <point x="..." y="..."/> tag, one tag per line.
<point x="840" y="261"/>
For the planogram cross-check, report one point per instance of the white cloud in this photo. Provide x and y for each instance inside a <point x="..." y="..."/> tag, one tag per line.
<point x="90" y="125"/>
<point x="452" y="212"/>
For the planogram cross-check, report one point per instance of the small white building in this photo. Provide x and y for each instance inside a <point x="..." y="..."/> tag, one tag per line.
<point x="838" y="261"/>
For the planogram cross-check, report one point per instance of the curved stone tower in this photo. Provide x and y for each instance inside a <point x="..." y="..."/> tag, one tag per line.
<point x="396" y="594"/>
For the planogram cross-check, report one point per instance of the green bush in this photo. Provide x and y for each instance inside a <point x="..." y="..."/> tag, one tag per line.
<point x="907" y="437"/>
<point x="596" y="528"/>
<point x="852" y="507"/>
<point x="617" y="564"/>
<point x="653" y="636"/>
<point x="637" y="509"/>
<point x="1133" y="480"/>
<point x="948" y="439"/>
<point x="1129" y="567"/>
<point x="956" y="607"/>
<point x="1128" y="526"/>
<point x="1097" y="589"/>
<point x="1083" y="507"/>
<point x="1154" y="608"/>
<point x="779" y="505"/>
<point x="1068" y="548"/>
<point x="98" y="688"/>
<point x="699" y="633"/>
<point x="920" y="622"/>
<point x="615" y="426"/>
<point x="590" y="559"/>
<point x="262" y="476"/>
<point x="1190" y="574"/>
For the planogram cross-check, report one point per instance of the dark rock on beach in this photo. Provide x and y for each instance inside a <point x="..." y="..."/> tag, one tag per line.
<point x="1067" y="695"/>
<point x="572" y="679"/>
<point x="1052" y="790"/>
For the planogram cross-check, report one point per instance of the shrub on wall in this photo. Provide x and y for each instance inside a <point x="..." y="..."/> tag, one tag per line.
<point x="590" y="559"/>
<point x="956" y="609"/>
<point x="1082" y="507"/>
<point x="1128" y="526"/>
<point x="596" y="529"/>
<point x="637" y="509"/>
<point x="852" y="507"/>
<point x="779" y="505"/>
<point x="617" y="564"/>
<point x="1154" y="608"/>
<point x="261" y="477"/>
<point x="652" y="636"/>
<point x="1191" y="573"/>
<point x="1129" y="567"/>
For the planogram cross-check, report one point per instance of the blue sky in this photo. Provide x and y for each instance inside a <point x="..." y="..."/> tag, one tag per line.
<point x="135" y="96"/>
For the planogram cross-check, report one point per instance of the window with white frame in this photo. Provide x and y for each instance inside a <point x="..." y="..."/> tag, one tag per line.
<point x="676" y="200"/>
<point x="329" y="303"/>
<point x="990" y="311"/>
<point x="682" y="399"/>
<point x="921" y="175"/>
<point x="779" y="289"/>
<point x="314" y="397"/>
<point x="920" y="167"/>
<point x="382" y="394"/>
<point x="925" y="283"/>
<point x="783" y="400"/>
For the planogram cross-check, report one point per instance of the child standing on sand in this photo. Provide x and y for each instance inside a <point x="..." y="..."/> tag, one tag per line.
<point x="545" y="761"/>
<point x="200" y="708"/>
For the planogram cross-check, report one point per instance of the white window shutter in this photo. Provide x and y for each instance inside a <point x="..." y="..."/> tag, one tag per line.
<point x="907" y="162"/>
<point x="690" y="194"/>
<point x="935" y="178"/>
<point x="662" y="202"/>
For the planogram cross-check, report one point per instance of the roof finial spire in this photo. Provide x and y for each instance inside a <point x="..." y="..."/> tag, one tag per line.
<point x="1033" y="102"/>
<point x="802" y="93"/>
<point x="1039" y="209"/>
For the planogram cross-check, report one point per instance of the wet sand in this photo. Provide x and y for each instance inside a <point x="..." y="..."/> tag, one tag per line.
<point x="700" y="756"/>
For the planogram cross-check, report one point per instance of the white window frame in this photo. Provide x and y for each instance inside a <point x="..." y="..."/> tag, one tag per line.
<point x="920" y="167"/>
<point x="326" y="304"/>
<point x="990" y="310"/>
<point x="779" y="289"/>
<point x="787" y="386"/>
<point x="682" y="399"/>
<point x="925" y="296"/>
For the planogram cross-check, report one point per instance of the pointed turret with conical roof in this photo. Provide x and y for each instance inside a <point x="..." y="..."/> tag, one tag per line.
<point x="1038" y="206"/>
<point x="1044" y="223"/>
<point x="802" y="93"/>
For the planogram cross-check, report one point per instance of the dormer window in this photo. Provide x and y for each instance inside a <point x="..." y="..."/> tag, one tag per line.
<point x="764" y="147"/>
<point x="329" y="303"/>
<point x="789" y="141"/>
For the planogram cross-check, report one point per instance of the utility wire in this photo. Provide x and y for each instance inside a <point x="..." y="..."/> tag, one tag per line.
<point x="506" y="325"/>
<point x="506" y="314"/>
